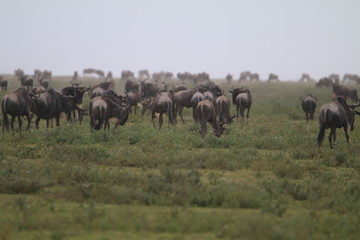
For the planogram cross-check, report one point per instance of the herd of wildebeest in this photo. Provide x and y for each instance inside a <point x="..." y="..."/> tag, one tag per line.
<point x="208" y="102"/>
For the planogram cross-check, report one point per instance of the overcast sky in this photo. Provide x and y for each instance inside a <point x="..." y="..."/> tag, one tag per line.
<point x="286" y="37"/>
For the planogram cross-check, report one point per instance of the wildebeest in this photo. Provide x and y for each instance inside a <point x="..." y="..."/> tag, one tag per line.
<point x="336" y="114"/>
<point x="132" y="86"/>
<point x="102" y="109"/>
<point x="308" y="104"/>
<point x="150" y="89"/>
<point x="351" y="78"/>
<point x="243" y="100"/>
<point x="49" y="105"/>
<point x="223" y="109"/>
<point x="207" y="113"/>
<point x="27" y="82"/>
<point x="133" y="99"/>
<point x="273" y="78"/>
<point x="44" y="82"/>
<point x="179" y="87"/>
<point x="162" y="104"/>
<point x="76" y="94"/>
<point x="324" y="82"/>
<point x="183" y="99"/>
<point x="16" y="104"/>
<point x="346" y="92"/>
<point x="195" y="99"/>
<point x="96" y="92"/>
<point x="3" y="83"/>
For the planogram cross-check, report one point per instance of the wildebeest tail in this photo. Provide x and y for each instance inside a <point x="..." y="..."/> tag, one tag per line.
<point x="170" y="113"/>
<point x="4" y="112"/>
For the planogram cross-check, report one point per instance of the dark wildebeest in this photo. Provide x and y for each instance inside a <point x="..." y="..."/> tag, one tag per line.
<point x="3" y="84"/>
<point x="207" y="113"/>
<point x="150" y="89"/>
<point x="132" y="86"/>
<point x="308" y="104"/>
<point x="44" y="82"/>
<point x="51" y="104"/>
<point x="77" y="94"/>
<point x="16" y="104"/>
<point x="27" y="82"/>
<point x="324" y="82"/>
<point x="133" y="98"/>
<point x="223" y="109"/>
<point x="346" y="92"/>
<point x="273" y="78"/>
<point x="336" y="114"/>
<point x="183" y="99"/>
<point x="195" y="99"/>
<point x="162" y="104"/>
<point x="243" y="100"/>
<point x="102" y="109"/>
<point x="179" y="87"/>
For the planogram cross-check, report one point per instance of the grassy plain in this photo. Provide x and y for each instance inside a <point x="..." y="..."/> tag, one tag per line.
<point x="265" y="179"/>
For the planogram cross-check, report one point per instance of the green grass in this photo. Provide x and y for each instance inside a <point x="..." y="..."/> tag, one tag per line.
<point x="265" y="179"/>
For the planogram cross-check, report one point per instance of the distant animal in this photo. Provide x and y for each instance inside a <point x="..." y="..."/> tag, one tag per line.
<point x="308" y="104"/>
<point x="336" y="114"/>
<point x="195" y="99"/>
<point x="222" y="104"/>
<point x="17" y="104"/>
<point x="351" y="78"/>
<point x="179" y="87"/>
<point x="346" y="92"/>
<point x="207" y="113"/>
<point x="102" y="109"/>
<point x="44" y="82"/>
<point x="133" y="99"/>
<point x="50" y="104"/>
<point x="150" y="89"/>
<point x="162" y="104"/>
<point x="324" y="82"/>
<point x="132" y="86"/>
<point x="3" y="83"/>
<point x="27" y="82"/>
<point x="273" y="78"/>
<point x="243" y="101"/>
<point x="229" y="78"/>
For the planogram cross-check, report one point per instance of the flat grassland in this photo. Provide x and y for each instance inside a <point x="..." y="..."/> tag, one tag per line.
<point x="264" y="179"/>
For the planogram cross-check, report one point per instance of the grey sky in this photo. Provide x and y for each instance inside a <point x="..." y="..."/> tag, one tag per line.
<point x="286" y="37"/>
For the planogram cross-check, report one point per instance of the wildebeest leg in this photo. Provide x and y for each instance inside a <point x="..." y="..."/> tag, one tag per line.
<point x="346" y="132"/>
<point x="203" y="129"/>
<point x="160" y="120"/>
<point x="237" y="113"/>
<point x="57" y="119"/>
<point x="332" y="132"/>
<point x="247" y="114"/>
<point x="152" y="118"/>
<point x="28" y="121"/>
<point x="12" y="123"/>
<point x="180" y="114"/>
<point x="20" y="122"/>
<point x="37" y="122"/>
